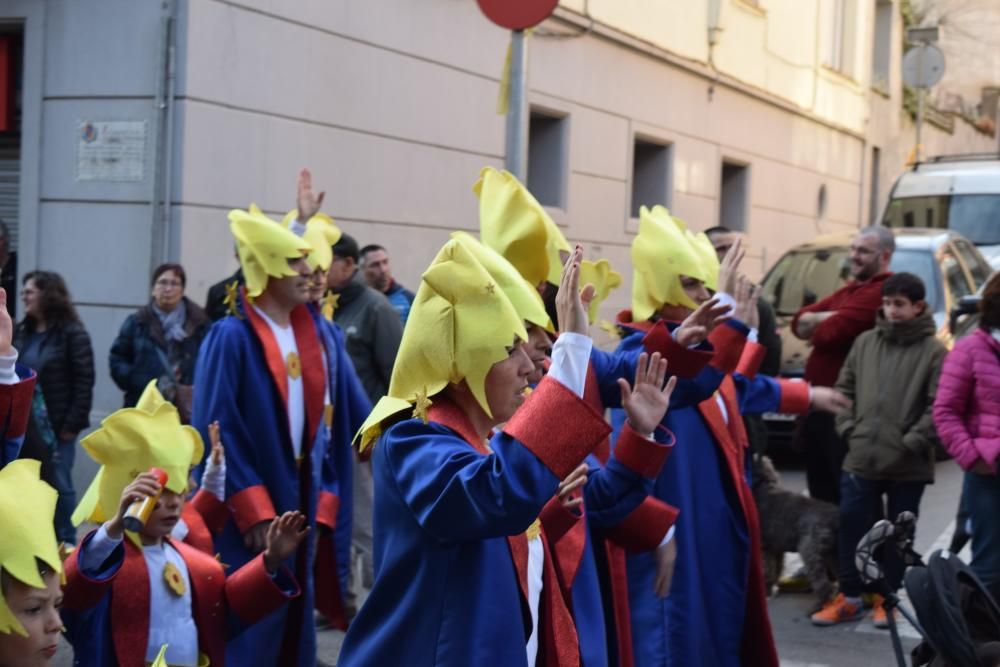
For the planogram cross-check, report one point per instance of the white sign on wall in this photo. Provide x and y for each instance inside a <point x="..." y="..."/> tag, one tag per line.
<point x="111" y="150"/>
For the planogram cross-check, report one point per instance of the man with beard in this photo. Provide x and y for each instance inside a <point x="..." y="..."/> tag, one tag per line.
<point x="831" y="325"/>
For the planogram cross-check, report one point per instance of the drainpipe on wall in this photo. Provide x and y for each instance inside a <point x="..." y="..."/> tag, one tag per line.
<point x="162" y="135"/>
<point x="714" y="10"/>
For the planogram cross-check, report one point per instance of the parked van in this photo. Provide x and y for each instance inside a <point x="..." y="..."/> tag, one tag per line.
<point x="959" y="192"/>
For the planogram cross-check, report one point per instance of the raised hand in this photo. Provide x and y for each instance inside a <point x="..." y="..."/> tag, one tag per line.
<point x="828" y="399"/>
<point x="746" y="302"/>
<point x="574" y="481"/>
<point x="284" y="535"/>
<point x="572" y="302"/>
<point x="730" y="267"/>
<point x="696" y="327"/>
<point x="308" y="202"/>
<point x="218" y="452"/>
<point x="666" y="557"/>
<point x="142" y="487"/>
<point x="647" y="401"/>
<point x="6" y="326"/>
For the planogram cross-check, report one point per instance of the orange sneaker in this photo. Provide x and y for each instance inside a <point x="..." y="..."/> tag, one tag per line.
<point x="838" y="610"/>
<point x="880" y="617"/>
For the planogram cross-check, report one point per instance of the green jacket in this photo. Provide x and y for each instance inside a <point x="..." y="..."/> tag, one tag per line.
<point x="891" y="374"/>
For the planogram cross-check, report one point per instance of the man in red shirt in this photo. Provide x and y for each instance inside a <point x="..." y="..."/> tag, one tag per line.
<point x="831" y="325"/>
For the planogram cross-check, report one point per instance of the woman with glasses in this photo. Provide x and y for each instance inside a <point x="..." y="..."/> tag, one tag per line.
<point x="160" y="342"/>
<point x="52" y="341"/>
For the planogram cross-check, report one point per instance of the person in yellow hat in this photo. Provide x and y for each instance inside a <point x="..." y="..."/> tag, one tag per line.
<point x="30" y="567"/>
<point x="448" y="496"/>
<point x="154" y="589"/>
<point x="275" y="376"/>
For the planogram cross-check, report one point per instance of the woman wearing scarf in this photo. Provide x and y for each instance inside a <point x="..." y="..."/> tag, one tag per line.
<point x="160" y="342"/>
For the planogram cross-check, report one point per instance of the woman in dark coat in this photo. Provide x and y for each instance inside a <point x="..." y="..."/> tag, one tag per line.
<point x="160" y="342"/>
<point x="51" y="340"/>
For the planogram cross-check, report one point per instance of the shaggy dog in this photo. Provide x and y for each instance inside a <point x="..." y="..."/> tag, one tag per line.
<point x="793" y="522"/>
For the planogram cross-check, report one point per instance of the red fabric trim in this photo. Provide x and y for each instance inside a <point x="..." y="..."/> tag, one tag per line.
<point x="592" y="397"/>
<point x="728" y="343"/>
<point x="313" y="371"/>
<point x="208" y="581"/>
<point x="251" y="506"/>
<point x="645" y="527"/>
<point x="130" y="608"/>
<point x="269" y="345"/>
<point x="329" y="600"/>
<point x="81" y="592"/>
<point x="560" y="444"/>
<point x="566" y="533"/>
<point x="198" y="535"/>
<point x="640" y="454"/>
<point x="15" y="406"/>
<point x="252" y="594"/>
<point x="212" y="510"/>
<point x="624" y="319"/>
<point x="751" y="359"/>
<point x="794" y="397"/>
<point x="326" y="509"/>
<point x="560" y="643"/>
<point x="519" y="554"/>
<point x="683" y="361"/>
<point x="618" y="580"/>
<point x="448" y="414"/>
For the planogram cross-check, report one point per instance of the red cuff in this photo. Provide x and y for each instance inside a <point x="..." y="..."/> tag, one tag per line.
<point x="327" y="508"/>
<point x="16" y="400"/>
<point x="728" y="343"/>
<point x="557" y="427"/>
<point x="251" y="506"/>
<point x="640" y="454"/>
<point x="684" y="362"/>
<point x="751" y="359"/>
<point x="644" y="529"/>
<point x="557" y="520"/>
<point x="252" y="593"/>
<point x="212" y="510"/>
<point x="794" y="397"/>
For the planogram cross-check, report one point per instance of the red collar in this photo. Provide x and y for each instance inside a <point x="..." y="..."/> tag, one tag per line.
<point x="445" y="412"/>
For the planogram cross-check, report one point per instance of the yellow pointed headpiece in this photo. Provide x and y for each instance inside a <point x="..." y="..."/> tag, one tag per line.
<point x="709" y="260"/>
<point x="321" y="233"/>
<point x="461" y="324"/>
<point x="27" y="509"/>
<point x="662" y="252"/>
<point x="603" y="278"/>
<point x="264" y="247"/>
<point x="523" y="296"/>
<point x="512" y="222"/>
<point x="131" y="441"/>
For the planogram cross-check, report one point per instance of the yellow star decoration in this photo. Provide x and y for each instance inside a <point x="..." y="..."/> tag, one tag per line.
<point x="161" y="658"/>
<point x="175" y="580"/>
<point x="294" y="365"/>
<point x="421" y="404"/>
<point x="611" y="329"/>
<point x="232" y="296"/>
<point x="330" y="303"/>
<point x="491" y="288"/>
<point x="534" y="530"/>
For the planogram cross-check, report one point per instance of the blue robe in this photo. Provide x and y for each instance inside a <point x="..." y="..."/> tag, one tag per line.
<point x="447" y="590"/>
<point x="240" y="381"/>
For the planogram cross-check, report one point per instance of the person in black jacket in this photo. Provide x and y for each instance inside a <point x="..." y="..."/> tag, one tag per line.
<point x="160" y="342"/>
<point x="52" y="341"/>
<point x="215" y="301"/>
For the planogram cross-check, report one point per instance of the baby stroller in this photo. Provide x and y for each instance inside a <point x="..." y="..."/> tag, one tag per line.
<point x="955" y="615"/>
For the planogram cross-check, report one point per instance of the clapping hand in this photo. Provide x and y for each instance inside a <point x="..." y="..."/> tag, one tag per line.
<point x="308" y="202"/>
<point x="729" y="268"/>
<point x="747" y="295"/>
<point x="574" y="481"/>
<point x="572" y="302"/>
<point x="218" y="452"/>
<point x="696" y="326"/>
<point x="6" y="326"/>
<point x="284" y="535"/>
<point x="647" y="400"/>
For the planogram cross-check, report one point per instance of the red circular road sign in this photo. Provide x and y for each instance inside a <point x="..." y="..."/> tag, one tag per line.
<point x="517" y="14"/>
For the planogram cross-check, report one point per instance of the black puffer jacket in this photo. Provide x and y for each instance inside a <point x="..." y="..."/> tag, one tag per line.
<point x="65" y="373"/>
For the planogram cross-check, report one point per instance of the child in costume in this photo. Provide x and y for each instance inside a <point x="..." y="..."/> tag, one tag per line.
<point x="17" y="386"/>
<point x="30" y="567"/>
<point x="453" y="508"/>
<point x="149" y="589"/>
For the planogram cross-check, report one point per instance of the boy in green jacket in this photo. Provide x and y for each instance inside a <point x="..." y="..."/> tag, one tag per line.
<point x="891" y="375"/>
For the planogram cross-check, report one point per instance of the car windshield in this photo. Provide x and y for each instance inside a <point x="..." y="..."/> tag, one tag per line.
<point x="976" y="217"/>
<point x="922" y="264"/>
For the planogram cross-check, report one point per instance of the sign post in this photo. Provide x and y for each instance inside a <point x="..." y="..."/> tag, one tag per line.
<point x="923" y="66"/>
<point x="517" y="16"/>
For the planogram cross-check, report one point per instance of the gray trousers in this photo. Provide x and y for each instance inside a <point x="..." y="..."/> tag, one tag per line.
<point x="361" y="535"/>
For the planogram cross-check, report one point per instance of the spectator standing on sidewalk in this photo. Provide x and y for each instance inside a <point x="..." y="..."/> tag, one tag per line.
<point x="372" y="331"/>
<point x="831" y="325"/>
<point x="967" y="414"/>
<point x="375" y="265"/>
<point x="891" y="375"/>
<point x="52" y="341"/>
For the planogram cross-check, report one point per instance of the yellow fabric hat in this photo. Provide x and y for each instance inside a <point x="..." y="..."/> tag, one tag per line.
<point x="524" y="296"/>
<point x="460" y="324"/>
<point x="512" y="222"/>
<point x="321" y="233"/>
<point x="661" y="254"/>
<point x="131" y="441"/>
<point x="27" y="509"/>
<point x="710" y="261"/>
<point x="264" y="247"/>
<point x="603" y="278"/>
